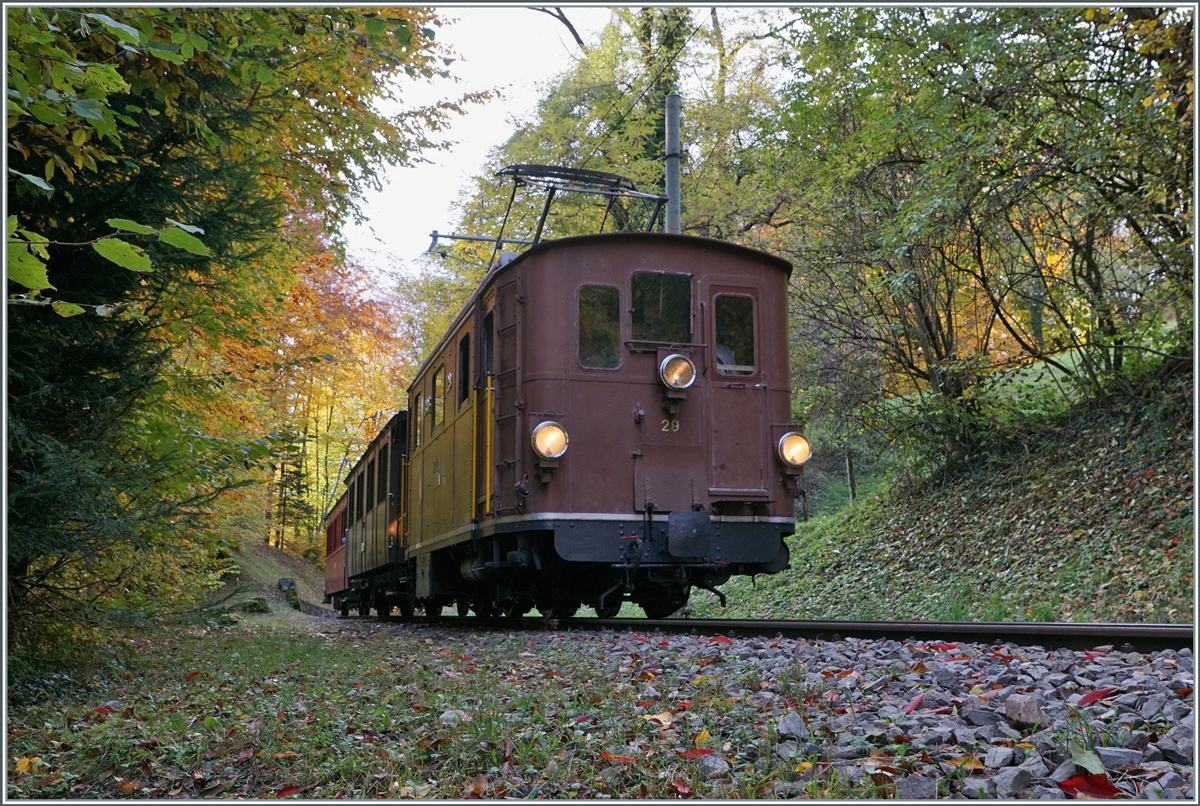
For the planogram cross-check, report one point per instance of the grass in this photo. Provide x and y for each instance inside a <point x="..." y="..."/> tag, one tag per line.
<point x="1088" y="519"/>
<point x="272" y="708"/>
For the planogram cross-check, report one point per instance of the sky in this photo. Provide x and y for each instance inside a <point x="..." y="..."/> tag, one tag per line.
<point x="509" y="48"/>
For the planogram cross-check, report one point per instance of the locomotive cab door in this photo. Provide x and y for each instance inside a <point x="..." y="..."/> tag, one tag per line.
<point x="737" y="391"/>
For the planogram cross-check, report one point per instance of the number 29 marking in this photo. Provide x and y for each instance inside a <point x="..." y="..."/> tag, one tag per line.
<point x="670" y="425"/>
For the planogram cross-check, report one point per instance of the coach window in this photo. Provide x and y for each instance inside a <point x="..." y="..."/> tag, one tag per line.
<point x="439" y="396"/>
<point x="369" y="504"/>
<point x="734" y="331"/>
<point x="381" y="493"/>
<point x="599" y="326"/>
<point x="662" y="307"/>
<point x="464" y="367"/>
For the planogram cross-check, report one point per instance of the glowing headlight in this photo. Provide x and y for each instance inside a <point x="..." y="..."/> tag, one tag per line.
<point x="794" y="449"/>
<point x="677" y="371"/>
<point x="549" y="440"/>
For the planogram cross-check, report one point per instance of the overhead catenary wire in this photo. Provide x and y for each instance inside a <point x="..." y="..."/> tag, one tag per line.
<point x="642" y="94"/>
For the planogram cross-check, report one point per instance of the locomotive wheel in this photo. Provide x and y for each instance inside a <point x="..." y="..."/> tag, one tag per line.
<point x="406" y="606"/>
<point x="609" y="611"/>
<point x="665" y="603"/>
<point x="344" y="609"/>
<point x="464" y="608"/>
<point x="560" y="610"/>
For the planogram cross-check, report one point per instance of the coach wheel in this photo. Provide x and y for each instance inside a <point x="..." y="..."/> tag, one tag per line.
<point x="609" y="610"/>
<point x="406" y="606"/>
<point x="464" y="608"/>
<point x="484" y="609"/>
<point x="515" y="608"/>
<point x="344" y="609"/>
<point x="433" y="609"/>
<point x="560" y="610"/>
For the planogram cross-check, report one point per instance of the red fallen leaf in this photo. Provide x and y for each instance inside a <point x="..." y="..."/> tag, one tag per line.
<point x="683" y="705"/>
<point x="987" y="695"/>
<point x="288" y="791"/>
<point x="719" y="639"/>
<point x="644" y="703"/>
<point x="695" y="753"/>
<point x="339" y="795"/>
<point x="307" y="718"/>
<point x="664" y="644"/>
<point x="611" y="757"/>
<point x="359" y="685"/>
<point x="914" y="703"/>
<point x="1183" y="692"/>
<point x="193" y="675"/>
<point x="292" y="665"/>
<point x="641" y="639"/>
<point x="942" y="646"/>
<point x="788" y="703"/>
<point x="1099" y="693"/>
<point x="1092" y="654"/>
<point x="680" y="789"/>
<point x="246" y="754"/>
<point x="961" y="657"/>
<point x="286" y="754"/>
<point x="102" y="710"/>
<point x="1090" y="786"/>
<point x="832" y="695"/>
<point x="945" y="709"/>
<point x="579" y="720"/>
<point x="146" y="743"/>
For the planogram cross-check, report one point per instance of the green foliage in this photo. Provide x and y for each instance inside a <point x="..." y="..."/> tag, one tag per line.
<point x="1086" y="517"/>
<point x="129" y="464"/>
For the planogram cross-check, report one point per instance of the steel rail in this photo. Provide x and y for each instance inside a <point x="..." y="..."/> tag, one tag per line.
<point x="1124" y="637"/>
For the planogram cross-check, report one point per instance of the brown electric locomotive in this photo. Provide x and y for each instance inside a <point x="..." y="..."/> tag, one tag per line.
<point x="607" y="419"/>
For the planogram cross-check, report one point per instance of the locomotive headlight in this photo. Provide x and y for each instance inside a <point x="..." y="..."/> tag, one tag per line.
<point x="677" y="371"/>
<point x="794" y="449"/>
<point x="549" y="440"/>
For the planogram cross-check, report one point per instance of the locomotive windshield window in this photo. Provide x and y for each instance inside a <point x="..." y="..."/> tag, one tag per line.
<point x="439" y="396"/>
<point x="599" y="326"/>
<point x="662" y="307"/>
<point x="735" y="334"/>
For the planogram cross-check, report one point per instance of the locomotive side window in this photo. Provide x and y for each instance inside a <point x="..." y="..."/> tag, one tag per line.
<point x="662" y="307"/>
<point x="599" y="326"/>
<point x="734" y="315"/>
<point x="464" y="367"/>
<point x="488" y="342"/>
<point x="416" y="409"/>
<point x="439" y="396"/>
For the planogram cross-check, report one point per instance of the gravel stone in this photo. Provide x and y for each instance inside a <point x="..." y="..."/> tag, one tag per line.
<point x="976" y="788"/>
<point x="453" y="717"/>
<point x="792" y="724"/>
<point x="1118" y="756"/>
<point x="1022" y="710"/>
<point x="1047" y="793"/>
<point x="713" y="766"/>
<point x="998" y="757"/>
<point x="1011" y="782"/>
<point x="916" y="787"/>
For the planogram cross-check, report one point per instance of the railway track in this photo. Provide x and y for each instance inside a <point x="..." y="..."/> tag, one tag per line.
<point x="1120" y="636"/>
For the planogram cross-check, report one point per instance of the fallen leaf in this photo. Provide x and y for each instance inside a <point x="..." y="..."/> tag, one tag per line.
<point x="695" y="753"/>
<point x="25" y="764"/>
<point x="719" y="639"/>
<point x="247" y="753"/>
<point x="664" y="719"/>
<point x="288" y="791"/>
<point x="1085" y="758"/>
<point x="1090" y="786"/>
<point x="286" y="754"/>
<point x="967" y="762"/>
<point x="680" y="789"/>
<point x="942" y="646"/>
<point x="702" y="738"/>
<point x="127" y="788"/>
<point x="193" y="675"/>
<point x="611" y="757"/>
<point x="1092" y="696"/>
<point x="914" y="703"/>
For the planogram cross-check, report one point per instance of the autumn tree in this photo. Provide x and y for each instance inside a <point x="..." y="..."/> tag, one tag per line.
<point x="156" y="157"/>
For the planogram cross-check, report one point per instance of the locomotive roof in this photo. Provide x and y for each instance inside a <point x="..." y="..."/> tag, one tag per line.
<point x="690" y="241"/>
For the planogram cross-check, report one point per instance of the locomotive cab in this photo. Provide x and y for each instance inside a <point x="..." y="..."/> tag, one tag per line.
<point x="606" y="420"/>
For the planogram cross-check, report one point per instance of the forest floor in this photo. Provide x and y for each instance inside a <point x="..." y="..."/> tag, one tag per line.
<point x="1087" y="518"/>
